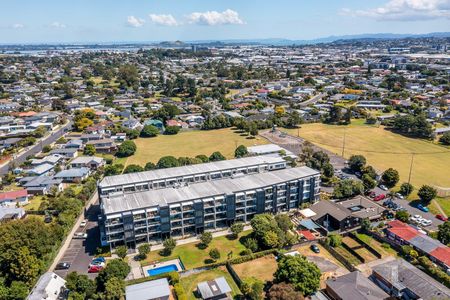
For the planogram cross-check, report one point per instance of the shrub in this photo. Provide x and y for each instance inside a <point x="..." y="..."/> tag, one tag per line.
<point x="206" y="238"/>
<point x="179" y="291"/>
<point x="149" y="131"/>
<point x="126" y="149"/>
<point x="334" y="240"/>
<point x="171" y="130"/>
<point x="121" y="251"/>
<point x="214" y="254"/>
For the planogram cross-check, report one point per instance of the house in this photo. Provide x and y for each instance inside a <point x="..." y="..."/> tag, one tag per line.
<point x="14" y="198"/>
<point x="52" y="159"/>
<point x="214" y="289"/>
<point x="11" y="213"/>
<point x="151" y="290"/>
<point x="75" y="144"/>
<point x="91" y="162"/>
<point x="90" y="137"/>
<point x="73" y="175"/>
<point x="68" y="153"/>
<point x="40" y="170"/>
<point x="103" y="146"/>
<point x="49" y="287"/>
<point x="41" y="185"/>
<point x="402" y="280"/>
<point x="354" y="285"/>
<point x="157" y="123"/>
<point x="132" y="124"/>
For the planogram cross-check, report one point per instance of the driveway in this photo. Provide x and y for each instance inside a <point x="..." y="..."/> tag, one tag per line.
<point x="408" y="205"/>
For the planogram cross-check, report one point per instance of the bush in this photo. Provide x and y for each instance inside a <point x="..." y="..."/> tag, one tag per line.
<point x="216" y="156"/>
<point x="252" y="288"/>
<point x="334" y="240"/>
<point x="133" y="169"/>
<point x="126" y="149"/>
<point x="169" y="244"/>
<point x="236" y="229"/>
<point x="179" y="291"/>
<point x="434" y="272"/>
<point x="167" y="162"/>
<point x="214" y="254"/>
<point x="171" y="130"/>
<point x="240" y="151"/>
<point x="121" y="251"/>
<point x="427" y="193"/>
<point x="402" y="215"/>
<point x="149" y="131"/>
<point x="206" y="238"/>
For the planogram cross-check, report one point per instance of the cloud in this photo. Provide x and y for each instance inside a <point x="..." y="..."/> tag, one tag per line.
<point x="57" y="25"/>
<point x="163" y="20"/>
<point x="135" y="22"/>
<point x="212" y="18"/>
<point x="17" y="26"/>
<point x="405" y="10"/>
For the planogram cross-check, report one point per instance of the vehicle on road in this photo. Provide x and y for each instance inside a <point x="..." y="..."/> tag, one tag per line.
<point x="83" y="223"/>
<point x="423" y="208"/>
<point x="97" y="263"/>
<point x="62" y="266"/>
<point x="379" y="197"/>
<point x="426" y="222"/>
<point x="372" y="195"/>
<point x="383" y="187"/>
<point x="95" y="269"/>
<point x="80" y="235"/>
<point x="315" y="248"/>
<point x="441" y="217"/>
<point x="100" y="258"/>
<point x="416" y="218"/>
<point x="399" y="196"/>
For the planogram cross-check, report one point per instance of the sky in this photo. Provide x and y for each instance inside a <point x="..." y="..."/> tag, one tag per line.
<point x="65" y="21"/>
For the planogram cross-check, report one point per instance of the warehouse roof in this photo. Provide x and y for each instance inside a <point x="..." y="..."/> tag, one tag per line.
<point x="187" y="170"/>
<point x="166" y="196"/>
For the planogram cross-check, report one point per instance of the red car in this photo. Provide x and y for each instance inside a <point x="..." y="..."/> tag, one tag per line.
<point x="372" y="195"/>
<point x="441" y="217"/>
<point x="379" y="197"/>
<point x="95" y="269"/>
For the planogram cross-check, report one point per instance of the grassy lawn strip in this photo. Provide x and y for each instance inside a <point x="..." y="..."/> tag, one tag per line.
<point x="34" y="203"/>
<point x="348" y="256"/>
<point x="191" y="144"/>
<point x="445" y="204"/>
<point x="355" y="245"/>
<point x="262" y="268"/>
<point x="189" y="283"/>
<point x="193" y="257"/>
<point x="384" y="251"/>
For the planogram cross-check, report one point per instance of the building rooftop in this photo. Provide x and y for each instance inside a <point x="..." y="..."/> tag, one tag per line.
<point x="213" y="288"/>
<point x="355" y="286"/>
<point x="207" y="189"/>
<point x="154" y="289"/>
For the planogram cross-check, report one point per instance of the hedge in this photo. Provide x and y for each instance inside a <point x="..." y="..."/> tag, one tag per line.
<point x="434" y="272"/>
<point x="179" y="291"/>
<point x="173" y="278"/>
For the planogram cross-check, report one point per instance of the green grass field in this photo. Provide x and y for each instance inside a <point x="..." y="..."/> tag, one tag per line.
<point x="189" y="283"/>
<point x="384" y="149"/>
<point x="193" y="257"/>
<point x="190" y="143"/>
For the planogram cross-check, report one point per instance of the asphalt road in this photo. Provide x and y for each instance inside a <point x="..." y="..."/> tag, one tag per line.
<point x="19" y="159"/>
<point x="81" y="251"/>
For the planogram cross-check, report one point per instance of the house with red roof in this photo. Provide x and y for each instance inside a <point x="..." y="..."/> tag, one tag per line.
<point x="14" y="198"/>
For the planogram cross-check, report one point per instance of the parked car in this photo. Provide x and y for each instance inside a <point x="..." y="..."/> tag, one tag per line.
<point x="80" y="235"/>
<point x="100" y="258"/>
<point x="425" y="222"/>
<point x="423" y="208"/>
<point x="388" y="203"/>
<point x="95" y="269"/>
<point x="441" y="217"/>
<point x="399" y="196"/>
<point x="383" y="187"/>
<point x="97" y="263"/>
<point x="62" y="266"/>
<point x="372" y="195"/>
<point x="83" y="223"/>
<point x="315" y="248"/>
<point x="379" y="197"/>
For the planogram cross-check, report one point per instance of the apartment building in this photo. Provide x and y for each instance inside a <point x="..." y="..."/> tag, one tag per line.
<point x="185" y="175"/>
<point x="144" y="216"/>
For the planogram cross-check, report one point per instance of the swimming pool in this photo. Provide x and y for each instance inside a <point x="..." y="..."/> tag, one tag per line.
<point x="161" y="270"/>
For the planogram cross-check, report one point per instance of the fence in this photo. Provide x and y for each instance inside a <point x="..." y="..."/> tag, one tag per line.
<point x="338" y="256"/>
<point x="367" y="246"/>
<point x="353" y="252"/>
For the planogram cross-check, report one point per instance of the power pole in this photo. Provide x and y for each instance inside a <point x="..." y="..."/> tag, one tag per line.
<point x="343" y="143"/>
<point x="410" y="168"/>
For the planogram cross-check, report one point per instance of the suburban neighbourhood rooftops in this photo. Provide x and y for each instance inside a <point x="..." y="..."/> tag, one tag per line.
<point x="154" y="289"/>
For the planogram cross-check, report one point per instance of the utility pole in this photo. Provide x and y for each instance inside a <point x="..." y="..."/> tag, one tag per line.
<point x="410" y="168"/>
<point x="343" y="143"/>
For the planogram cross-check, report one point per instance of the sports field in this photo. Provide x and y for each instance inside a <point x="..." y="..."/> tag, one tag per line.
<point x="383" y="149"/>
<point x="190" y="143"/>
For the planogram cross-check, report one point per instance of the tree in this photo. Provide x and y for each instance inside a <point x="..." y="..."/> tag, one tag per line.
<point x="126" y="149"/>
<point x="370" y="171"/>
<point x="348" y="188"/>
<point x="445" y="138"/>
<point x="251" y="244"/>
<point x="122" y="251"/>
<point x="402" y="215"/>
<point x="18" y="291"/>
<point x="301" y="273"/>
<point x="82" y="123"/>
<point x="283" y="291"/>
<point x="171" y="130"/>
<point x="128" y="75"/>
<point x="328" y="170"/>
<point x="80" y="283"/>
<point x="149" y="131"/>
<point x="133" y="169"/>
<point x="334" y="240"/>
<point x="427" y="193"/>
<point x="117" y="268"/>
<point x="252" y="288"/>
<point x="167" y="162"/>
<point x="144" y="250"/>
<point x="357" y="163"/>
<point x="390" y="177"/>
<point x="24" y="265"/>
<point x="240" y="151"/>
<point x="203" y="158"/>
<point x="169" y="244"/>
<point x="368" y="182"/>
<point x="444" y="233"/>
<point x="236" y="229"/>
<point x="284" y="222"/>
<point x="89" y="150"/>
<point x="214" y="253"/>
<point x="365" y="224"/>
<point x="149" y="166"/>
<point x="406" y="189"/>
<point x="206" y="238"/>
<point x="270" y="239"/>
<point x="113" y="169"/>
<point x="114" y="289"/>
<point x="216" y="156"/>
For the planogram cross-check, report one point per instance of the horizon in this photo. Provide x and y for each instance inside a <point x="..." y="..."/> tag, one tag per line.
<point x="151" y="21"/>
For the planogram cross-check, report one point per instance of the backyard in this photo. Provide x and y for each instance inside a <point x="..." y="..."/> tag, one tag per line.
<point x="262" y="268"/>
<point x="190" y="143"/>
<point x="384" y="249"/>
<point x="194" y="256"/>
<point x="359" y="248"/>
<point x="189" y="283"/>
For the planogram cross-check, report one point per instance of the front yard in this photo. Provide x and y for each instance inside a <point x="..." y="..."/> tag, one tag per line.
<point x="262" y="268"/>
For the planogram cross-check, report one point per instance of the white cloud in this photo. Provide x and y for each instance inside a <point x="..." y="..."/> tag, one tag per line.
<point x="163" y="20"/>
<point x="135" y="22"/>
<point x="405" y="10"/>
<point x="57" y="25"/>
<point x="18" y="26"/>
<point x="212" y="18"/>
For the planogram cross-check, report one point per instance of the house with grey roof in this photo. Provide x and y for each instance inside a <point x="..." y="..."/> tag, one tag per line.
<point x="91" y="162"/>
<point x="49" y="287"/>
<point x="73" y="175"/>
<point x="150" y="290"/>
<point x="216" y="289"/>
<point x="41" y="185"/>
<point x="40" y="170"/>
<point x="354" y="285"/>
<point x="68" y="153"/>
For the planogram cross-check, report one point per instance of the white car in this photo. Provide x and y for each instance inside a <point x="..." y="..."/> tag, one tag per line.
<point x="425" y="222"/>
<point x="399" y="196"/>
<point x="383" y="187"/>
<point x="83" y="223"/>
<point x="80" y="235"/>
<point x="416" y="218"/>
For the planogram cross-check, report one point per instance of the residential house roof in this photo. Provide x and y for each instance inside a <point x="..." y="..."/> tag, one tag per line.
<point x="72" y="173"/>
<point x="213" y="288"/>
<point x="355" y="285"/>
<point x="13" y="194"/>
<point x="154" y="289"/>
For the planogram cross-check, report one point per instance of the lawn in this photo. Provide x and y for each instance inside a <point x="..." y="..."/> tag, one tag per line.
<point x="190" y="143"/>
<point x="193" y="256"/>
<point x="358" y="248"/>
<point x="262" y="268"/>
<point x="384" y="251"/>
<point x="445" y="204"/>
<point x="383" y="149"/>
<point x="347" y="255"/>
<point x="34" y="203"/>
<point x="189" y="283"/>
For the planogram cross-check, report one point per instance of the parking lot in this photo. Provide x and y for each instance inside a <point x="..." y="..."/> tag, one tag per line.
<point x="81" y="251"/>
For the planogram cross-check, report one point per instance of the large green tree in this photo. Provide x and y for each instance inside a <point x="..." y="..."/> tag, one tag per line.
<point x="390" y="177"/>
<point x="149" y="131"/>
<point x="126" y="149"/>
<point x="444" y="233"/>
<point x="167" y="162"/>
<point x="427" y="193"/>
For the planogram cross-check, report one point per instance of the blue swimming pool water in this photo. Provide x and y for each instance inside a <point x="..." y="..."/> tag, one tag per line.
<point x="161" y="270"/>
